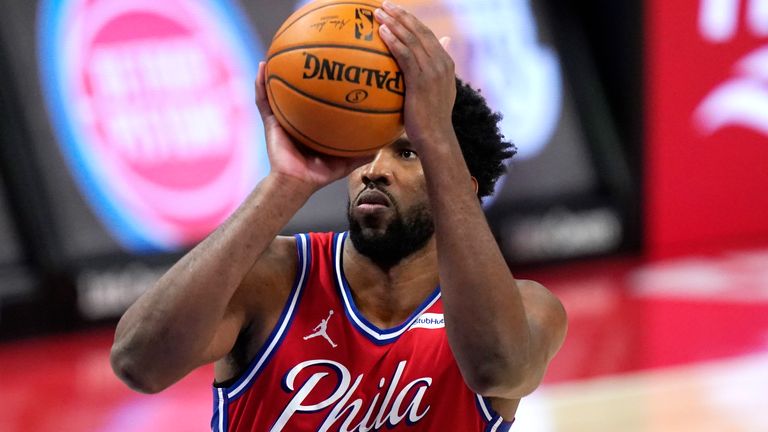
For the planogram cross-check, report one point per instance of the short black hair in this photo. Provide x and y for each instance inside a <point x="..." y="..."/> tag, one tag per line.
<point x="482" y="144"/>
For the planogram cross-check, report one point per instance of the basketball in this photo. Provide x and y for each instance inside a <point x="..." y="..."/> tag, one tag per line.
<point x="332" y="82"/>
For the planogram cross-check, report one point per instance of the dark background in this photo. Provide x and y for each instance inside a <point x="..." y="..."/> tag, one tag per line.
<point x="57" y="260"/>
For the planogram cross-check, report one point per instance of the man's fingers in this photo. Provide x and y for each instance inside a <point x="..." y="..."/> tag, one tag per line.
<point x="405" y="45"/>
<point x="406" y="18"/>
<point x="445" y="41"/>
<point x="261" y="91"/>
<point x="403" y="55"/>
<point x="422" y="34"/>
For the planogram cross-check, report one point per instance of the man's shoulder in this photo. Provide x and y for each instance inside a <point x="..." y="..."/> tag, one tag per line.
<point x="280" y="261"/>
<point x="275" y="267"/>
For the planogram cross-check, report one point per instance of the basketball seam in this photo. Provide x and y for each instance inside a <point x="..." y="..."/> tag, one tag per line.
<point x="297" y="130"/>
<point x="331" y="45"/>
<point x="318" y="8"/>
<point x="326" y="102"/>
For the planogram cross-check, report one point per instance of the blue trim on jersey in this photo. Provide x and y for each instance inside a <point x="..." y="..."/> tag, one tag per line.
<point x="369" y="330"/>
<point x="496" y="422"/>
<point x="485" y="409"/>
<point x="220" y="420"/>
<point x="493" y="425"/>
<point x="270" y="346"/>
<point x="506" y="426"/>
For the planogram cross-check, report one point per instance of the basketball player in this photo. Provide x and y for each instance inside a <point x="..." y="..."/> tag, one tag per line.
<point x="421" y="325"/>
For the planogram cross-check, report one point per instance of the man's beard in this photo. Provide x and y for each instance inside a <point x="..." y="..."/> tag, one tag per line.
<point x="405" y="235"/>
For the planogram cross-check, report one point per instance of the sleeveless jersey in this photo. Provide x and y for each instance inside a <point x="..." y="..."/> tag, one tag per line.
<point x="325" y="367"/>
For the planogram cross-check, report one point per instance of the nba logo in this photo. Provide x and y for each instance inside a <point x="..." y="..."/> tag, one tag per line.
<point x="364" y="24"/>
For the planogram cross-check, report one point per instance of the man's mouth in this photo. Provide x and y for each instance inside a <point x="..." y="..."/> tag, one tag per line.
<point x="372" y="199"/>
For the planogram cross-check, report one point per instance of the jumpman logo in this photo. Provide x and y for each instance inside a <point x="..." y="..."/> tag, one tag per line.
<point x="322" y="330"/>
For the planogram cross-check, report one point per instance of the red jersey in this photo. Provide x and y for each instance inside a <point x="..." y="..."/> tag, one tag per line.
<point x="325" y="367"/>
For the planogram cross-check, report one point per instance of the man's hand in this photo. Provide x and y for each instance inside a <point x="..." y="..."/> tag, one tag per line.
<point x="287" y="157"/>
<point x="428" y="71"/>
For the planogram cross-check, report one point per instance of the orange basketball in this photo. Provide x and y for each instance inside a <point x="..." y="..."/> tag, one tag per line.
<point x="332" y="82"/>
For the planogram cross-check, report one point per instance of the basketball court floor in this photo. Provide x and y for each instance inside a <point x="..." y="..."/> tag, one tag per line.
<point x="670" y="346"/>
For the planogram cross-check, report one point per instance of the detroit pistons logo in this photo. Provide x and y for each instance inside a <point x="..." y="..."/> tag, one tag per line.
<point x="328" y="386"/>
<point x="150" y="104"/>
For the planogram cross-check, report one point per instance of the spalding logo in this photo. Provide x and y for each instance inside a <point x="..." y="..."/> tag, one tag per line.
<point x="149" y="103"/>
<point x="356" y="96"/>
<point x="328" y="69"/>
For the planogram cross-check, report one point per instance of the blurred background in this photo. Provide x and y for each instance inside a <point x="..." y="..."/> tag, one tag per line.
<point x="639" y="195"/>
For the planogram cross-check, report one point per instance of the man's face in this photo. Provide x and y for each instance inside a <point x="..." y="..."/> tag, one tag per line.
<point x="388" y="212"/>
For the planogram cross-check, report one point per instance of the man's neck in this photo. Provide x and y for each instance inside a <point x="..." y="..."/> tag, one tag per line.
<point x="387" y="296"/>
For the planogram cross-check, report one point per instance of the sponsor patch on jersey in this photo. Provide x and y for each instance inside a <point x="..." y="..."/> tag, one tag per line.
<point x="429" y="321"/>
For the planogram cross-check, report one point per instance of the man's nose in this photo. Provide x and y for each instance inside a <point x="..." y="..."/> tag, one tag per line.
<point x="379" y="170"/>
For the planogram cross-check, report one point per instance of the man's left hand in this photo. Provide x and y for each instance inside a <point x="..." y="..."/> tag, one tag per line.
<point x="428" y="71"/>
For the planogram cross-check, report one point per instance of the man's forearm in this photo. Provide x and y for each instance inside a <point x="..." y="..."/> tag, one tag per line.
<point x="485" y="317"/>
<point x="170" y="326"/>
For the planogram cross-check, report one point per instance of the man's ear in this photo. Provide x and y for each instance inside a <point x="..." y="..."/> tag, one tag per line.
<point x="475" y="184"/>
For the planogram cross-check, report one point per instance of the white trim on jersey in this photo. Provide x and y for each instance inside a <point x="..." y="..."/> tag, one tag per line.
<point x="373" y="333"/>
<point x="221" y="425"/>
<point x="304" y="256"/>
<point x="484" y="408"/>
<point x="496" y="425"/>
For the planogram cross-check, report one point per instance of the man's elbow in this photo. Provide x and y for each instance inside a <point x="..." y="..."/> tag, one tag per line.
<point x="497" y="380"/>
<point x="133" y="373"/>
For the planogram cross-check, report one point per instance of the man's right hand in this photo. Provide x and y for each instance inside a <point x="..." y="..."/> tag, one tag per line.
<point x="288" y="157"/>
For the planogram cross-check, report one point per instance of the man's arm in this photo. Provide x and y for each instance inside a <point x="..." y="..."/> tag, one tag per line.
<point x="191" y="316"/>
<point x="195" y="312"/>
<point x="502" y="332"/>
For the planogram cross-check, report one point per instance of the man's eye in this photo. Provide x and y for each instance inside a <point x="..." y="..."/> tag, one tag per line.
<point x="407" y="154"/>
